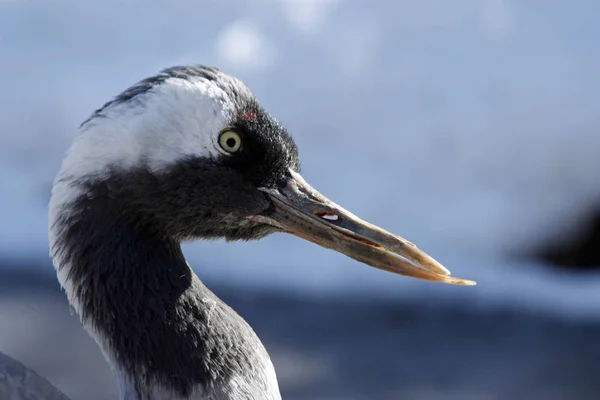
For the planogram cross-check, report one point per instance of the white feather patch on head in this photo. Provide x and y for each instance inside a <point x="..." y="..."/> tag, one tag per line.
<point x="177" y="117"/>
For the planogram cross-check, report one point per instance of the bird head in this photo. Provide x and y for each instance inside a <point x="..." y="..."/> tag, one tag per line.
<point x="190" y="154"/>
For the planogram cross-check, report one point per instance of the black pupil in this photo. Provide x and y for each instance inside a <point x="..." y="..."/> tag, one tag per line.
<point x="231" y="142"/>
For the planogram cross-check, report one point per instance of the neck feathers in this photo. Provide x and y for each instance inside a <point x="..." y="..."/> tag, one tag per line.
<point x="155" y="321"/>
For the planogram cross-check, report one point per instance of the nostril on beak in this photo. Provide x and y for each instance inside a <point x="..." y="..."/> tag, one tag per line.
<point x="328" y="216"/>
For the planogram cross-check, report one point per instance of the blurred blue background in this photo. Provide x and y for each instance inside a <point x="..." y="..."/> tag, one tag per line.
<point x="470" y="127"/>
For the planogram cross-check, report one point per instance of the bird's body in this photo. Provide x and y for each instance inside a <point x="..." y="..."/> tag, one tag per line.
<point x="188" y="154"/>
<point x="18" y="382"/>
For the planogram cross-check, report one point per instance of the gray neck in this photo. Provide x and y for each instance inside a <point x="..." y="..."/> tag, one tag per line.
<point x="166" y="334"/>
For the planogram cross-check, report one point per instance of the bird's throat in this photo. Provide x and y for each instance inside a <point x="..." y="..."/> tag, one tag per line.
<point x="136" y="296"/>
<point x="166" y="334"/>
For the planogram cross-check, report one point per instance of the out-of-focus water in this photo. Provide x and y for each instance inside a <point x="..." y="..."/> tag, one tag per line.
<point x="353" y="348"/>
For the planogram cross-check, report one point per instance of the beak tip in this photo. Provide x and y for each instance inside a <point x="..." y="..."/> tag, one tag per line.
<point x="464" y="282"/>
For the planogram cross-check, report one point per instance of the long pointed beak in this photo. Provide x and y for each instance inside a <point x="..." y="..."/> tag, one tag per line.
<point x="302" y="211"/>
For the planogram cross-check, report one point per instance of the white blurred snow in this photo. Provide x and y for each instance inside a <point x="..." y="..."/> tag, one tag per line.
<point x="241" y="43"/>
<point x="470" y="128"/>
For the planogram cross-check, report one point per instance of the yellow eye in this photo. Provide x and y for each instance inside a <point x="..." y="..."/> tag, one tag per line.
<point x="230" y="141"/>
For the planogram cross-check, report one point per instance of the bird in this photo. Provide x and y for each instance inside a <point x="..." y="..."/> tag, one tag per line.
<point x="189" y="154"/>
